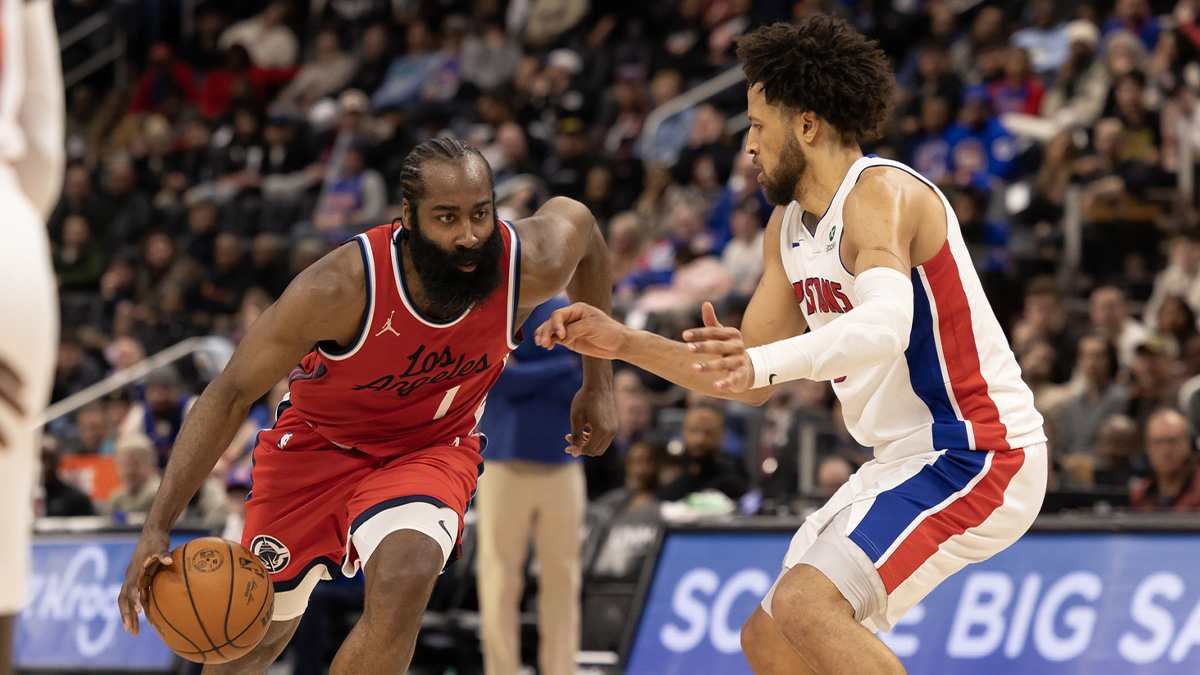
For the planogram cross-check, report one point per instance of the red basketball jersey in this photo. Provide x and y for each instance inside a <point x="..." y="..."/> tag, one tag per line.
<point x="408" y="382"/>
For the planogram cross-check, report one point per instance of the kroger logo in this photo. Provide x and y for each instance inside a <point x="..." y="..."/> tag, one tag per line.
<point x="80" y="598"/>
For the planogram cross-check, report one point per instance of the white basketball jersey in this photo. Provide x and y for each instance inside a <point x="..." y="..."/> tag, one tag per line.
<point x="957" y="386"/>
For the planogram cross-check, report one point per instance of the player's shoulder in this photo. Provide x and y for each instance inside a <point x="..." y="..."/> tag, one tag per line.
<point x="556" y="214"/>
<point x="337" y="277"/>
<point x="886" y="188"/>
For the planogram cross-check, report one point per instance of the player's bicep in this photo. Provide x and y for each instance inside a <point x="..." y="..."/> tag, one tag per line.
<point x="320" y="304"/>
<point x="773" y="313"/>
<point x="553" y="241"/>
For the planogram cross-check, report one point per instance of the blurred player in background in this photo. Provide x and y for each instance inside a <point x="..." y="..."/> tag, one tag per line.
<point x="869" y="257"/>
<point x="375" y="455"/>
<point x="32" y="160"/>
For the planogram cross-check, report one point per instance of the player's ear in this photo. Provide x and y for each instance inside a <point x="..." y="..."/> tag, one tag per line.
<point x="805" y="125"/>
<point x="405" y="211"/>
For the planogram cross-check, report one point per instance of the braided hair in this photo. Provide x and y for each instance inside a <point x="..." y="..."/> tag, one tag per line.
<point x="412" y="186"/>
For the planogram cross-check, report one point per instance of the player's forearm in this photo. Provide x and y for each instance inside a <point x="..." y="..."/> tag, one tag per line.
<point x="875" y="332"/>
<point x="206" y="433"/>
<point x="592" y="283"/>
<point x="671" y="360"/>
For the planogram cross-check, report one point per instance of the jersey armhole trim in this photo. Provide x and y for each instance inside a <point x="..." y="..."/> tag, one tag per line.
<point x="514" y="285"/>
<point x="330" y="349"/>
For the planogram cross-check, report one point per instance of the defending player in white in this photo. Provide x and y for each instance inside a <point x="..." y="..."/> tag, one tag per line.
<point x="868" y="256"/>
<point x="31" y="169"/>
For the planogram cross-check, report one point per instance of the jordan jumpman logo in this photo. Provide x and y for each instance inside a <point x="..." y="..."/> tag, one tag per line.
<point x="387" y="326"/>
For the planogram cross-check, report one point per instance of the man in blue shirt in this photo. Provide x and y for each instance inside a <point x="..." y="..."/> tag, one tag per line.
<point x="530" y="486"/>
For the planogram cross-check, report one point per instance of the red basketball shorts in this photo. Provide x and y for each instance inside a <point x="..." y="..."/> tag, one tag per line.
<point x="310" y="497"/>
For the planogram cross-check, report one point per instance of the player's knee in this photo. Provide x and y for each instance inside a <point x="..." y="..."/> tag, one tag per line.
<point x="752" y="633"/>
<point x="404" y="566"/>
<point x="802" y="600"/>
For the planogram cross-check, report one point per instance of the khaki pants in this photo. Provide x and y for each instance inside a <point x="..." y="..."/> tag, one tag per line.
<point x="517" y="499"/>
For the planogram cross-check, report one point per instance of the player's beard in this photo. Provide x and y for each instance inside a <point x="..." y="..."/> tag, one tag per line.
<point x="784" y="186"/>
<point x="449" y="290"/>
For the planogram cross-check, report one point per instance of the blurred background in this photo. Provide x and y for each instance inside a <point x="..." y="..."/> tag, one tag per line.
<point x="216" y="148"/>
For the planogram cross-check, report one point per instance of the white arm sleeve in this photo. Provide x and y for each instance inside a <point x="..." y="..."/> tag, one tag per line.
<point x="870" y="334"/>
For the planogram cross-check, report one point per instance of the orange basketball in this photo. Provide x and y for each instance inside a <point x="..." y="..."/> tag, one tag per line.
<point x="213" y="603"/>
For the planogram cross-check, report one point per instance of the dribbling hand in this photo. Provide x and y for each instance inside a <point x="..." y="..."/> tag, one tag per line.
<point x="730" y="362"/>
<point x="152" y="551"/>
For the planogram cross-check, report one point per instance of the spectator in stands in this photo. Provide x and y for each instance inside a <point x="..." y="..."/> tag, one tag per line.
<point x="59" y="498"/>
<point x="268" y="264"/>
<point x="489" y="57"/>
<point x="1044" y="318"/>
<point x="1037" y="360"/>
<point x="1175" y="320"/>
<point x="74" y="369"/>
<point x="1142" y="141"/>
<point x="92" y="431"/>
<point x="532" y="491"/>
<point x="705" y="467"/>
<point x="79" y="259"/>
<point x="832" y="473"/>
<point x="130" y="209"/>
<point x="238" y="79"/>
<point x="268" y="39"/>
<point x="1101" y="397"/>
<point x="1135" y="17"/>
<point x="930" y="151"/>
<point x="706" y="160"/>
<point x="987" y="29"/>
<point x="742" y="257"/>
<point x="1117" y="445"/>
<point x="220" y="293"/>
<point x="1179" y="277"/>
<point x="1150" y="377"/>
<point x="374" y="56"/>
<point x="1174" y="484"/>
<point x="162" y="264"/>
<point x="354" y="200"/>
<point x="79" y="198"/>
<point x="1044" y="39"/>
<point x="639" y="493"/>
<point x="1020" y="91"/>
<point x="329" y="71"/>
<point x="566" y="170"/>
<point x="1108" y="311"/>
<point x="408" y="74"/>
<point x="672" y="133"/>
<point x="160" y="414"/>
<point x="137" y="469"/>
<point x="165" y="76"/>
<point x="1080" y="89"/>
<point x="980" y="147"/>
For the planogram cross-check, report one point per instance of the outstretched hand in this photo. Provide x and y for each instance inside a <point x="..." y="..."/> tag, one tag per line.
<point x="729" y="360"/>
<point x="584" y="329"/>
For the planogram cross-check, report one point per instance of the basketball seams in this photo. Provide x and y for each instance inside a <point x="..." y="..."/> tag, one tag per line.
<point x="270" y="594"/>
<point x="161" y="615"/>
<point x="206" y="594"/>
<point x="200" y="620"/>
<point x="229" y="604"/>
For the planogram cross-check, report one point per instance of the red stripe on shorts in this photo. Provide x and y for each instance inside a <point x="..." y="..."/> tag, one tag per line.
<point x="969" y="510"/>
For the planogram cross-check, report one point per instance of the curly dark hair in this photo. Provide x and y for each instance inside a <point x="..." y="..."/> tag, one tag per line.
<point x="822" y="65"/>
